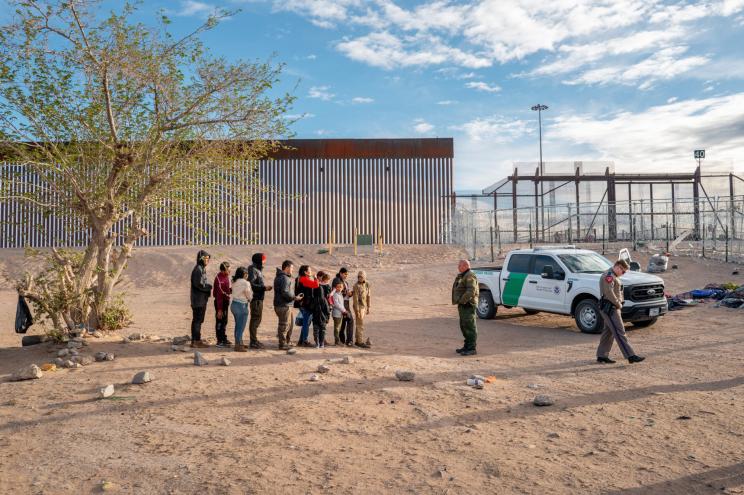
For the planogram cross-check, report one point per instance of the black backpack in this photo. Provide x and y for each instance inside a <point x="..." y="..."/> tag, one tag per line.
<point x="23" y="319"/>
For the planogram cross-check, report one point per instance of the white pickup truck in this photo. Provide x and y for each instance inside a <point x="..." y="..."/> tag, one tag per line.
<point x="565" y="280"/>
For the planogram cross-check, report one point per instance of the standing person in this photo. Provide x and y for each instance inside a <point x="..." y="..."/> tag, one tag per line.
<point x="362" y="297"/>
<point x="255" y="276"/>
<point x="283" y="299"/>
<point x="339" y="312"/>
<point x="610" y="305"/>
<point x="305" y="285"/>
<point x="321" y="309"/>
<point x="221" y="292"/>
<point x="200" y="290"/>
<point x="242" y="295"/>
<point x="346" y="332"/>
<point x="465" y="295"/>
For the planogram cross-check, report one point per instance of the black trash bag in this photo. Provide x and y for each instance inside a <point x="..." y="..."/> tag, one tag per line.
<point x="23" y="318"/>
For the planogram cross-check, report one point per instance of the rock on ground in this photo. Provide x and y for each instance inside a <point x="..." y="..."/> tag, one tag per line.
<point x="323" y="368"/>
<point x="185" y="339"/>
<point x="347" y="360"/>
<point x="543" y="400"/>
<point x="142" y="377"/>
<point x="314" y="377"/>
<point x="82" y="360"/>
<point x="199" y="359"/>
<point x="224" y="361"/>
<point x="405" y="376"/>
<point x="63" y="352"/>
<point x="291" y="351"/>
<point x="106" y="391"/>
<point x="30" y="372"/>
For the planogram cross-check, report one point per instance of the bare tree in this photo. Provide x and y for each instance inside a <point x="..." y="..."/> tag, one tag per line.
<point x="115" y="119"/>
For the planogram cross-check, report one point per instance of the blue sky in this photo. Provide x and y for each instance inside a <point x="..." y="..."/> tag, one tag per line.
<point x="642" y="83"/>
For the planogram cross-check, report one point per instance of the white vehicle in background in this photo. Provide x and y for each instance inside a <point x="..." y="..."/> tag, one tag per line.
<point x="565" y="280"/>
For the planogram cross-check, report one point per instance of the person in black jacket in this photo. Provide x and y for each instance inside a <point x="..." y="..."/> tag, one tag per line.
<point x="256" y="278"/>
<point x="200" y="292"/>
<point x="346" y="332"/>
<point x="321" y="309"/>
<point x="283" y="299"/>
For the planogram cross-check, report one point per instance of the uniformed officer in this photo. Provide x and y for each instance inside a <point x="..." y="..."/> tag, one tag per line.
<point x="611" y="289"/>
<point x="465" y="295"/>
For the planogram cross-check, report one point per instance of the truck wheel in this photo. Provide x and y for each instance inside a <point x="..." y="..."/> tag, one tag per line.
<point x="486" y="309"/>
<point x="530" y="311"/>
<point x="587" y="316"/>
<point x="644" y="323"/>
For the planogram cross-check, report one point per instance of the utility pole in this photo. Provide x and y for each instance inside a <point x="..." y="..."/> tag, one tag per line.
<point x="539" y="108"/>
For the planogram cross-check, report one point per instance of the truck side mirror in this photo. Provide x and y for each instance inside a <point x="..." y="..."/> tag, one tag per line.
<point x="547" y="272"/>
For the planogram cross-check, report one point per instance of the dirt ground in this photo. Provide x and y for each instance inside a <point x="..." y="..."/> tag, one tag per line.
<point x="260" y="426"/>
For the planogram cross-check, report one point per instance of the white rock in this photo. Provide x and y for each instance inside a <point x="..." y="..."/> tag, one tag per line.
<point x="314" y="377"/>
<point x="110" y="356"/>
<point x="291" y="351"/>
<point x="477" y="377"/>
<point x="224" y="361"/>
<point x="199" y="359"/>
<point x="179" y="348"/>
<point x="106" y="391"/>
<point x="405" y="376"/>
<point x="480" y="384"/>
<point x="142" y="377"/>
<point x="185" y="339"/>
<point x="70" y="364"/>
<point x="471" y="381"/>
<point x="347" y="360"/>
<point x="30" y="372"/>
<point x="82" y="360"/>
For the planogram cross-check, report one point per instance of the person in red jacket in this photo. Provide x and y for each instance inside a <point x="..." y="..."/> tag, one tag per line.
<point x="307" y="285"/>
<point x="221" y="291"/>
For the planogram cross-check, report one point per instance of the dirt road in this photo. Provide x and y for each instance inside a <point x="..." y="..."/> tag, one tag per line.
<point x="259" y="426"/>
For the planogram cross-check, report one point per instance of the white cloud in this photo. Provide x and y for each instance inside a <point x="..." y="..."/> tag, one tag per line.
<point x="481" y="86"/>
<point x="321" y="93"/>
<point x="422" y="127"/>
<point x="299" y="116"/>
<point x="362" y="100"/>
<point x="664" y="65"/>
<point x="191" y="8"/>
<point x="312" y="56"/>
<point x="496" y="129"/>
<point x="672" y="99"/>
<point x="587" y="40"/>
<point x="446" y="102"/>
<point x="663" y="136"/>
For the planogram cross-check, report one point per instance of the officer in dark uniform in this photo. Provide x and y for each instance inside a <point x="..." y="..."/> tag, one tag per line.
<point x="465" y="295"/>
<point x="610" y="305"/>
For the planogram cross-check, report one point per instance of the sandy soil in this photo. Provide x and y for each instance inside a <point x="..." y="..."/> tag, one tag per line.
<point x="259" y="426"/>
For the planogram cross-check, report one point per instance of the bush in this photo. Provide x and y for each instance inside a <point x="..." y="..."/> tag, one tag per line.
<point x="116" y="316"/>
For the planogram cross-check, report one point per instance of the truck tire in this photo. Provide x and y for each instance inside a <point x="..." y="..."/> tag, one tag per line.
<point x="587" y="316"/>
<point x="644" y="323"/>
<point x="486" y="308"/>
<point x="531" y="311"/>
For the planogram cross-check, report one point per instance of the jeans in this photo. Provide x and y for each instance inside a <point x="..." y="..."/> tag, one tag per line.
<point x="240" y="313"/>
<point x="196" y="322"/>
<point x="307" y="319"/>
<point x="220" y="326"/>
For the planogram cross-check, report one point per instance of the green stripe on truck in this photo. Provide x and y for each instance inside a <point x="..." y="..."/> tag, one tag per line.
<point x="513" y="289"/>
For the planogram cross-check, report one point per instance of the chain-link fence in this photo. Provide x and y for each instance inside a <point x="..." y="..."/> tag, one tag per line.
<point x="710" y="226"/>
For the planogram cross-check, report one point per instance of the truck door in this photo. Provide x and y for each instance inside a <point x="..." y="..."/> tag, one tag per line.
<point x="513" y="278"/>
<point x="545" y="293"/>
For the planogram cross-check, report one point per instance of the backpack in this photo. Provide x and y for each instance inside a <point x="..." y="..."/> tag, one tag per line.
<point x="23" y="319"/>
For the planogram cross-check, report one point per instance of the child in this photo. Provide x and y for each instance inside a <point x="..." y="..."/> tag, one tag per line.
<point x="339" y="310"/>
<point x="321" y="309"/>
<point x="361" y="296"/>
<point x="221" y="291"/>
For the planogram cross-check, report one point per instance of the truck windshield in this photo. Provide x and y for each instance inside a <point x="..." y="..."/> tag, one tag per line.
<point x="585" y="262"/>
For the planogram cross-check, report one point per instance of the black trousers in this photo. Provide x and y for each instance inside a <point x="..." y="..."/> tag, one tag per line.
<point x="196" y="322"/>
<point x="319" y="331"/>
<point x="220" y="325"/>
<point x="346" y="333"/>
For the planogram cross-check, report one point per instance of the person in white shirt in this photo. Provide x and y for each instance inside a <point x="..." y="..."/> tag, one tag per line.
<point x="241" y="297"/>
<point x="339" y="310"/>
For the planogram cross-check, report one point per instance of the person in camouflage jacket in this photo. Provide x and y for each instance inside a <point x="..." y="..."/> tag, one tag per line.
<point x="465" y="296"/>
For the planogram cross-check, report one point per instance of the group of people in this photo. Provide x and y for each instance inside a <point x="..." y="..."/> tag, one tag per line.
<point x="319" y="300"/>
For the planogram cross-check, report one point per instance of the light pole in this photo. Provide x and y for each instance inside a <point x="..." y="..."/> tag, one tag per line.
<point x="539" y="109"/>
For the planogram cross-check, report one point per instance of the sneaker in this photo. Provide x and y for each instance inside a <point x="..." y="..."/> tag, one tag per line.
<point x="257" y="345"/>
<point x="228" y="343"/>
<point x="223" y="344"/>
